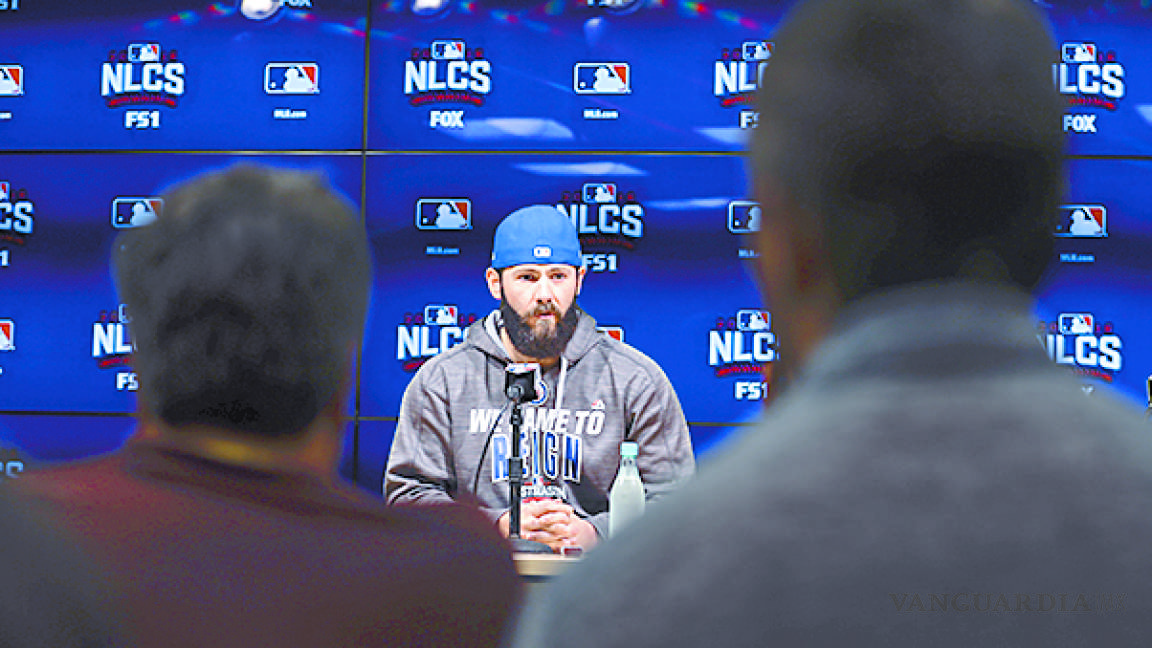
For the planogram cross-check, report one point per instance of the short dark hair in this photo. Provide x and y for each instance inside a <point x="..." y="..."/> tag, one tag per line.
<point x="245" y="298"/>
<point x="923" y="134"/>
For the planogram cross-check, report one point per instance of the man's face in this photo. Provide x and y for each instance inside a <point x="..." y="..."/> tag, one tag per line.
<point x="536" y="301"/>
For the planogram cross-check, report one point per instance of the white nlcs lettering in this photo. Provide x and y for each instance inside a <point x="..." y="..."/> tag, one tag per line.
<point x="1090" y="79"/>
<point x="1086" y="351"/>
<point x="627" y="220"/>
<point x="738" y="76"/>
<point x="416" y="341"/>
<point x="119" y="78"/>
<point x="16" y="217"/>
<point x="729" y="346"/>
<point x="421" y="76"/>
<point x="110" y="339"/>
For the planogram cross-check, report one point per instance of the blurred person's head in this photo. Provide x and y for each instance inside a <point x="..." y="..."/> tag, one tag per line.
<point x="903" y="141"/>
<point x="247" y="299"/>
<point x="537" y="271"/>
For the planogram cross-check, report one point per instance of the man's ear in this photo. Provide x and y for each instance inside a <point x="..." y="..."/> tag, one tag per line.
<point x="580" y="272"/>
<point x="492" y="276"/>
<point x="777" y="259"/>
<point x="793" y="256"/>
<point x="796" y="276"/>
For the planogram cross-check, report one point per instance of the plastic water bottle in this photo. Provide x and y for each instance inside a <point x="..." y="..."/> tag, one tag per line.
<point x="626" y="498"/>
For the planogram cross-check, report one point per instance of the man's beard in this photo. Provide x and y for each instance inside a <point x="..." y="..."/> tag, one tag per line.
<point x="540" y="341"/>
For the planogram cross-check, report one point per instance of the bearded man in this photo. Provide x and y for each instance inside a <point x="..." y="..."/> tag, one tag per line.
<point x="453" y="436"/>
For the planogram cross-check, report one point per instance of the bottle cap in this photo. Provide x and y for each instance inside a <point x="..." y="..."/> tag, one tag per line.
<point x="629" y="449"/>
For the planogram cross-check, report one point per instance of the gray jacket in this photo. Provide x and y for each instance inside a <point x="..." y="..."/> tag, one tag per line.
<point x="931" y="479"/>
<point x="601" y="393"/>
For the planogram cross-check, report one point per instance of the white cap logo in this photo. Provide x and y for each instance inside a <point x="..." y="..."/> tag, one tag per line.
<point x="542" y="252"/>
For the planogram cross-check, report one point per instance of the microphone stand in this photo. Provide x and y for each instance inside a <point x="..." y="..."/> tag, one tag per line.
<point x="515" y="482"/>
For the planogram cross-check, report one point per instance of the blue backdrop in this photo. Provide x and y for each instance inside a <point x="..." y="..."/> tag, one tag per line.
<point x="436" y="119"/>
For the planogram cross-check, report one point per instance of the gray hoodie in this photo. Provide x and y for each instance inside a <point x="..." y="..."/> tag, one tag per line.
<point x="602" y="392"/>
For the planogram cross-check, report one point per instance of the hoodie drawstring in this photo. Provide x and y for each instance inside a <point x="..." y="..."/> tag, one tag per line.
<point x="560" y="382"/>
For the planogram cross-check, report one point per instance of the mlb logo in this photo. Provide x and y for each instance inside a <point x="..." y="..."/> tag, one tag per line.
<point x="743" y="216"/>
<point x="448" y="50"/>
<point x="1078" y="52"/>
<point x="11" y="80"/>
<point x="144" y="52"/>
<point x="614" y="332"/>
<point x="753" y="320"/>
<point x="1076" y="323"/>
<point x="602" y="78"/>
<point x="135" y="212"/>
<point x="444" y="214"/>
<point x="757" y="50"/>
<point x="7" y="335"/>
<point x="1083" y="221"/>
<point x="599" y="193"/>
<point x="542" y="252"/>
<point x="440" y="314"/>
<point x="292" y="78"/>
<point x="5" y="191"/>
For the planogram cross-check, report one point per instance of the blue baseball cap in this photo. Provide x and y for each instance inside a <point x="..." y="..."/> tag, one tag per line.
<point x="536" y="234"/>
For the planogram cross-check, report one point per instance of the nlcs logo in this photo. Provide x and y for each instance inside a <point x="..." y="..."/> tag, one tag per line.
<point x="425" y="334"/>
<point x="16" y="214"/>
<point x="448" y="71"/>
<point x="1080" y="340"/>
<point x="741" y="344"/>
<point x="142" y="74"/>
<point x="1089" y="77"/>
<point x="111" y="344"/>
<point x="604" y="215"/>
<point x="737" y="75"/>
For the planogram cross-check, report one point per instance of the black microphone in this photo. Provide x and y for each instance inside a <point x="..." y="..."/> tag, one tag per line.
<point x="520" y="380"/>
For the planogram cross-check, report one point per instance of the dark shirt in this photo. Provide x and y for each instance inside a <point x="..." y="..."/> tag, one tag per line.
<point x="51" y="595"/>
<point x="929" y="479"/>
<point x="210" y="554"/>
